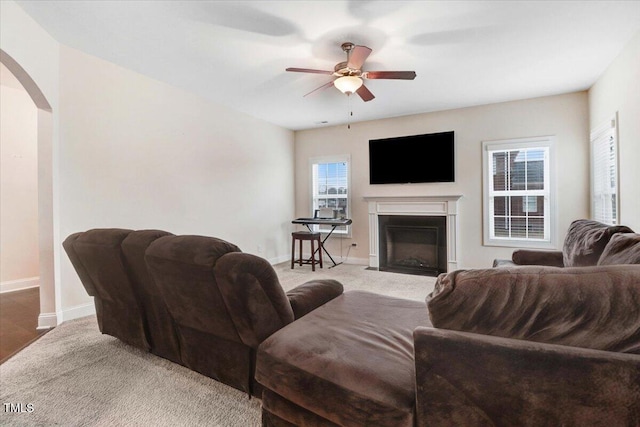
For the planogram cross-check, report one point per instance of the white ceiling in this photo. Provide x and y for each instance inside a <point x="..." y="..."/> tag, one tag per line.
<point x="464" y="52"/>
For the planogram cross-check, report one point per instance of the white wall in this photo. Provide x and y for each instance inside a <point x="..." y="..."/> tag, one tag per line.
<point x="32" y="47"/>
<point x="618" y="90"/>
<point x="19" y="186"/>
<point x="137" y="153"/>
<point x="38" y="53"/>
<point x="565" y="116"/>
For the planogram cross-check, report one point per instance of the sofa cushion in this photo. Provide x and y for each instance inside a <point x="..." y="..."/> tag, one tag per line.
<point x="537" y="257"/>
<point x="183" y="269"/>
<point x="349" y="361"/>
<point x="593" y="307"/>
<point x="623" y="248"/>
<point x="253" y="296"/>
<point x="585" y="241"/>
<point x="159" y="324"/>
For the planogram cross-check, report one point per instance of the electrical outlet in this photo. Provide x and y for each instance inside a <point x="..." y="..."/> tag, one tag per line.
<point x="354" y="244"/>
<point x="259" y="249"/>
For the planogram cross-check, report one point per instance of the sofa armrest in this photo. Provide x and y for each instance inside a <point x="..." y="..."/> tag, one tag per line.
<point x="470" y="379"/>
<point x="313" y="294"/>
<point x="253" y="296"/>
<point x="537" y="257"/>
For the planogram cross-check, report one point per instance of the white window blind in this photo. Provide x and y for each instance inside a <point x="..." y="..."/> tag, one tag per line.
<point x="518" y="192"/>
<point x="604" y="173"/>
<point x="330" y="178"/>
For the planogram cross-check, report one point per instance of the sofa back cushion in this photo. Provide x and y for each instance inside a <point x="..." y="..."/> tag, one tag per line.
<point x="97" y="257"/>
<point x="254" y="298"/>
<point x="586" y="240"/>
<point x="623" y="248"/>
<point x="159" y="323"/>
<point x="591" y="307"/>
<point x="182" y="268"/>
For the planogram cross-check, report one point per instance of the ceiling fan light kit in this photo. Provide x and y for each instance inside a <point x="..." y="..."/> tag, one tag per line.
<point x="349" y="74"/>
<point x="348" y="84"/>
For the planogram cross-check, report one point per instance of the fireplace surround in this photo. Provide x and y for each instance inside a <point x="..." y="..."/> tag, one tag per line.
<point x="443" y="207"/>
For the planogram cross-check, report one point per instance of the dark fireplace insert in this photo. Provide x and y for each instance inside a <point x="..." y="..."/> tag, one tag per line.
<point x="412" y="244"/>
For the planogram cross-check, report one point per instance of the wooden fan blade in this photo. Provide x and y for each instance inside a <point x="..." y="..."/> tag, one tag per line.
<point x="398" y="75"/>
<point x="357" y="57"/>
<point x="324" y="86"/>
<point x="309" y="70"/>
<point x="365" y="93"/>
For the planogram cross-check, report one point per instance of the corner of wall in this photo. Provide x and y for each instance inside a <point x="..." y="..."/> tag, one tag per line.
<point x="76" y="312"/>
<point x="47" y="321"/>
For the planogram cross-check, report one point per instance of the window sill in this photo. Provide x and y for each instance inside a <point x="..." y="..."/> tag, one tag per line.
<point x="513" y="243"/>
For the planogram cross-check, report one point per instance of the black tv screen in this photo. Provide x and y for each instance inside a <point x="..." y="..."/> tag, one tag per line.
<point x="412" y="159"/>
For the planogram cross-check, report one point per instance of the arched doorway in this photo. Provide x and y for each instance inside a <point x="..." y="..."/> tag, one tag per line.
<point x="48" y="292"/>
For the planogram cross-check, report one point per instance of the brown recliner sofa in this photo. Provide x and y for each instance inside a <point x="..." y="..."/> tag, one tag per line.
<point x="198" y="301"/>
<point x="584" y="243"/>
<point x="117" y="282"/>
<point x="526" y="346"/>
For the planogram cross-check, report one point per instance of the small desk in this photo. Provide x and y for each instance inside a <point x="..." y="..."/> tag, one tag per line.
<point x="308" y="222"/>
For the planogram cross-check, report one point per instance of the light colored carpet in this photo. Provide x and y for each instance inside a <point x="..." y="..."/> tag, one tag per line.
<point x="358" y="277"/>
<point x="75" y="376"/>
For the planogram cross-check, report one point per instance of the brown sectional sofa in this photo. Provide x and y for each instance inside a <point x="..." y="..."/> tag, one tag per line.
<point x="526" y="345"/>
<point x="583" y="246"/>
<point x="198" y="301"/>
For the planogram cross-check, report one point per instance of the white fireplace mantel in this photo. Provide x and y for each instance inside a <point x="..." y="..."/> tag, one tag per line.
<point x="415" y="205"/>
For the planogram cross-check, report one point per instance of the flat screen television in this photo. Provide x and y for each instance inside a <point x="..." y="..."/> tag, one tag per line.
<point x="412" y="159"/>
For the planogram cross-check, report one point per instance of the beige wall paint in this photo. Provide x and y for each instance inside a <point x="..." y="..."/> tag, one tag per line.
<point x="618" y="90"/>
<point x="565" y="116"/>
<point x="19" y="185"/>
<point x="137" y="153"/>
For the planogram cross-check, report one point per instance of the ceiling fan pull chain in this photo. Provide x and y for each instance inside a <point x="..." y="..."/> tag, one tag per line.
<point x="350" y="116"/>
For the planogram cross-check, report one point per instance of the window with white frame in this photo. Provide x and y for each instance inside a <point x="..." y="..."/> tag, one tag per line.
<point x="518" y="182"/>
<point x="604" y="173"/>
<point x="330" y="188"/>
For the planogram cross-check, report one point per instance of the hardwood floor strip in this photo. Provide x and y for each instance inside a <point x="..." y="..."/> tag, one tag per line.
<point x="18" y="321"/>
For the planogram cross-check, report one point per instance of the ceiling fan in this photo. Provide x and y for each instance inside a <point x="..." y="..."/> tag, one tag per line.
<point x="349" y="74"/>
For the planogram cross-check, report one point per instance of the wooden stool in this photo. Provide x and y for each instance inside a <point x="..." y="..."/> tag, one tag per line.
<point x="312" y="237"/>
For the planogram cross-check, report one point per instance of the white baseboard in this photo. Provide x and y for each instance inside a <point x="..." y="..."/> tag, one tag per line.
<point x="356" y="261"/>
<point x="47" y="321"/>
<point x="278" y="260"/>
<point x="19" y="285"/>
<point x="76" y="312"/>
<point x="51" y="320"/>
